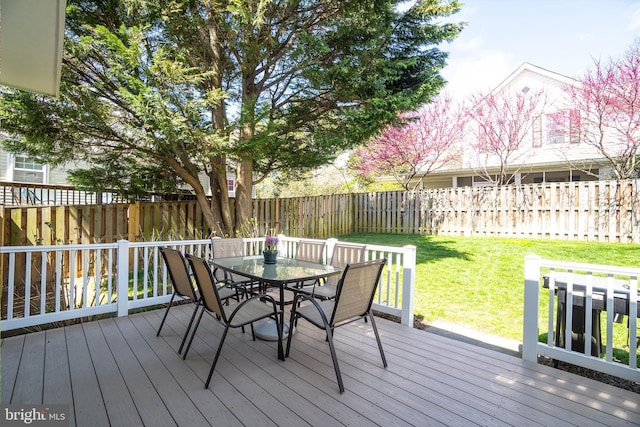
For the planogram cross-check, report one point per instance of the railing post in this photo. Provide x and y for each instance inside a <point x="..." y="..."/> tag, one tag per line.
<point x="408" y="284"/>
<point x="122" y="278"/>
<point x="531" y="299"/>
<point x="330" y="245"/>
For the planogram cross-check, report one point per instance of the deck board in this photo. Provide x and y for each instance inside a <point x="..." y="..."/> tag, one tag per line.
<point x="149" y="405"/>
<point x="88" y="403"/>
<point x="117" y="399"/>
<point x="10" y="359"/>
<point x="29" y="380"/>
<point x="57" y="381"/>
<point x="117" y="372"/>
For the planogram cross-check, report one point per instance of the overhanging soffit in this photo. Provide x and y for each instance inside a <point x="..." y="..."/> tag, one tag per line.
<point x="31" y="36"/>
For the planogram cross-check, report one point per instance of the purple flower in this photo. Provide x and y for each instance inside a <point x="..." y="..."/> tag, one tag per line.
<point x="271" y="243"/>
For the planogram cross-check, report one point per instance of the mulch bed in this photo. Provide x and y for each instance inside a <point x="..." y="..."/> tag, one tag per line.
<point x="633" y="386"/>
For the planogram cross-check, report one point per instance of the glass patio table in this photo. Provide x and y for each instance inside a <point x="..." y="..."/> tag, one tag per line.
<point x="285" y="272"/>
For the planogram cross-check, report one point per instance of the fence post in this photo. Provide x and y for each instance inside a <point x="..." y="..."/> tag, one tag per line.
<point x="122" y="278"/>
<point x="531" y="300"/>
<point x="408" y="285"/>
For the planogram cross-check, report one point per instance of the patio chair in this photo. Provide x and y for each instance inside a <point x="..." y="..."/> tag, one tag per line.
<point x="183" y="287"/>
<point x="226" y="248"/>
<point x="235" y="315"/>
<point x="311" y="251"/>
<point x="343" y="254"/>
<point x="354" y="297"/>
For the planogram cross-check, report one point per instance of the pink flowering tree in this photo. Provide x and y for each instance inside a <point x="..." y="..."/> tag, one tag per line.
<point x="423" y="142"/>
<point x="502" y="124"/>
<point x="606" y="111"/>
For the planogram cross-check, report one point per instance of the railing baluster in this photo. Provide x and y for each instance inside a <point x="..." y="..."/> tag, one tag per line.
<point x="110" y="277"/>
<point x="145" y="272"/>
<point x="43" y="282"/>
<point x="98" y="277"/>
<point x="85" y="277"/>
<point x="27" y="285"/>
<point x="72" y="279"/>
<point x="58" y="289"/>
<point x="135" y="274"/>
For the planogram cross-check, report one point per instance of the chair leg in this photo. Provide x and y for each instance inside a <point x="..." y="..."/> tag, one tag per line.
<point x="292" y="319"/>
<point x="193" y="334"/>
<point x="280" y="333"/>
<point x="375" y="331"/>
<point x="215" y="359"/>
<point x="334" y="357"/>
<point x="165" y="314"/>
<point x="193" y="316"/>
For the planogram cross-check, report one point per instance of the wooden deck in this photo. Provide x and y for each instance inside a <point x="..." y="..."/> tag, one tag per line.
<point x="117" y="372"/>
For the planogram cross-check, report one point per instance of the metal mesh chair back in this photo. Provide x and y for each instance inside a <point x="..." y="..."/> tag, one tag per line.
<point x="343" y="254"/>
<point x="356" y="290"/>
<point x="178" y="273"/>
<point x="347" y="253"/>
<point x="206" y="285"/>
<point x="310" y="250"/>
<point x="225" y="248"/>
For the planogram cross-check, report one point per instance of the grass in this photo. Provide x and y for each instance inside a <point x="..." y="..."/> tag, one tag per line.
<point x="478" y="282"/>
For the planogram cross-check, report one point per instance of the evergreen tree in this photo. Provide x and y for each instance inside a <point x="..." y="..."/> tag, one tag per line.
<point x="194" y="86"/>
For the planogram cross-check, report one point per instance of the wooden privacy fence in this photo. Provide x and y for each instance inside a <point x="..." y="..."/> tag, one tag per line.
<point x="606" y="211"/>
<point x="592" y="211"/>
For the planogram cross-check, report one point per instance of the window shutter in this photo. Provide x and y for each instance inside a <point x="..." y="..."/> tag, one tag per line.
<point x="574" y="127"/>
<point x="537" y="131"/>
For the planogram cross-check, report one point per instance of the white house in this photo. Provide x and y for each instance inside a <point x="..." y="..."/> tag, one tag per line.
<point x="546" y="155"/>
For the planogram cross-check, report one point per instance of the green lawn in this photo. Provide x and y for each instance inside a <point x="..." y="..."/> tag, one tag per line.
<point x="478" y="282"/>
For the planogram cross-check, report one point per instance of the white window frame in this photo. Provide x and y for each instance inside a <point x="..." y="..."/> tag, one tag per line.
<point x="554" y="134"/>
<point x="12" y="169"/>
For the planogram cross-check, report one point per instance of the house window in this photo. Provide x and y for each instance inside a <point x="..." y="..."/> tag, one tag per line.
<point x="231" y="185"/>
<point x="27" y="169"/>
<point x="562" y="127"/>
<point x="555" y="131"/>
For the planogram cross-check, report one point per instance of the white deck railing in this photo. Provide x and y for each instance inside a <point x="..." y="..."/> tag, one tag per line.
<point x="594" y="288"/>
<point x="103" y="272"/>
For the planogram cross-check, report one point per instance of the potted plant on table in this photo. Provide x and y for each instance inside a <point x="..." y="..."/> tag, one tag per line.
<point x="270" y="252"/>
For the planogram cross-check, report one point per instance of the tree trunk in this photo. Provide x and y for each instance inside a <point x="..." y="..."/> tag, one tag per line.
<point x="244" y="171"/>
<point x="244" y="183"/>
<point x="220" y="203"/>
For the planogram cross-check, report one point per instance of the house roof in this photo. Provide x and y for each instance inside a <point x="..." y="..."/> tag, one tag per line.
<point x="527" y="67"/>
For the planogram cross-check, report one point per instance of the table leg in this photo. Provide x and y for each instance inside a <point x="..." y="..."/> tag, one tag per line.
<point x="268" y="330"/>
<point x="281" y="323"/>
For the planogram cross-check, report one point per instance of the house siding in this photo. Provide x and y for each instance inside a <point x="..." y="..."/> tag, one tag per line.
<point x="4" y="166"/>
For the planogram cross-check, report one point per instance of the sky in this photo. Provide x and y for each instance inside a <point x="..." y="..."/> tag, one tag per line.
<point x="563" y="36"/>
